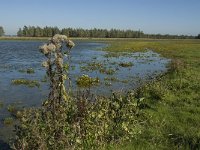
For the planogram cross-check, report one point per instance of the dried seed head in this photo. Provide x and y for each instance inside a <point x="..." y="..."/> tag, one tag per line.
<point x="44" y="49"/>
<point x="58" y="46"/>
<point x="64" y="37"/>
<point x="45" y="64"/>
<point x="70" y="44"/>
<point x="51" y="47"/>
<point x="56" y="38"/>
<point x="59" y="62"/>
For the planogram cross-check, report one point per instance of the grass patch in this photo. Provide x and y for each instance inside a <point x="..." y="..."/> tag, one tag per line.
<point x="126" y="64"/>
<point x="29" y="83"/>
<point x="172" y="101"/>
<point x="96" y="66"/>
<point x="29" y="71"/>
<point x="8" y="121"/>
<point x="92" y="66"/>
<point x="113" y="79"/>
<point x="86" y="81"/>
<point x="108" y="71"/>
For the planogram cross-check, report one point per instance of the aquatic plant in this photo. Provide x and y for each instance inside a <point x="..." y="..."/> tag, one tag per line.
<point x="30" y="83"/>
<point x="108" y="71"/>
<point x="92" y="66"/>
<point x="126" y="64"/>
<point x="86" y="81"/>
<point x="117" y="55"/>
<point x="11" y="108"/>
<point x="113" y="79"/>
<point x="8" y="121"/>
<point x="28" y="70"/>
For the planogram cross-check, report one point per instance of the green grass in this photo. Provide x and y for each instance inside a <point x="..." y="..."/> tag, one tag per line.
<point x="126" y="64"/>
<point x="86" y="81"/>
<point x="8" y="121"/>
<point x="28" y="70"/>
<point x="29" y="83"/>
<point x="172" y="112"/>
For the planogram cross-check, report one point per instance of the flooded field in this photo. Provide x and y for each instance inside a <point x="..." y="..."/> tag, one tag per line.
<point x="21" y="60"/>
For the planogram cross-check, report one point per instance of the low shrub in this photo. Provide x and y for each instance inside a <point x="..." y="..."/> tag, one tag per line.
<point x="79" y="124"/>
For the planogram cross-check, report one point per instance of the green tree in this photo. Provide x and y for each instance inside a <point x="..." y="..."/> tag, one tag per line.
<point x="20" y="32"/>
<point x="55" y="30"/>
<point x="1" y="31"/>
<point x="25" y="31"/>
<point x="38" y="32"/>
<point x="198" y="36"/>
<point x="31" y="31"/>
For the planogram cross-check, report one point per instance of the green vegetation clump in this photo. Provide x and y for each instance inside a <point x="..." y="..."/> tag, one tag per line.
<point x="126" y="64"/>
<point x="12" y="108"/>
<point x="95" y="66"/>
<point x="8" y="121"/>
<point x="86" y="81"/>
<point x="29" y="71"/>
<point x="92" y="66"/>
<point x="117" y="55"/>
<point x="30" y="83"/>
<point x="114" y="79"/>
<point x="108" y="71"/>
<point x="80" y="124"/>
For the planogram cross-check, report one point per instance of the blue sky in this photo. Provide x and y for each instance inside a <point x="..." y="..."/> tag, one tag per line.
<point x="150" y="16"/>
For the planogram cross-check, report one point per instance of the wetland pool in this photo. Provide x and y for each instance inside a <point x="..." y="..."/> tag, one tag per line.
<point x="115" y="71"/>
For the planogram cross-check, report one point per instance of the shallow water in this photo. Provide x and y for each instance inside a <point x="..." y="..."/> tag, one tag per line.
<point x="20" y="55"/>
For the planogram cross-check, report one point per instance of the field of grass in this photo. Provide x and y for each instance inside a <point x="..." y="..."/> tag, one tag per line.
<point x="172" y="103"/>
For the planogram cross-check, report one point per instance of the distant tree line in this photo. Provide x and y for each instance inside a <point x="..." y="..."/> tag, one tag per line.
<point x="198" y="36"/>
<point x="32" y="31"/>
<point x="1" y="31"/>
